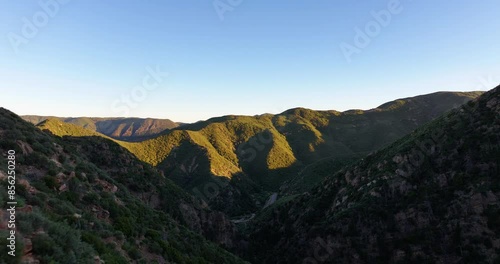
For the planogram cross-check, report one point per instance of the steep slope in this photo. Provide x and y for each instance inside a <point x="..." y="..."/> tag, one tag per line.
<point x="127" y="129"/>
<point x="370" y="130"/>
<point x="430" y="197"/>
<point x="154" y="189"/>
<point x="268" y="150"/>
<point x="86" y="199"/>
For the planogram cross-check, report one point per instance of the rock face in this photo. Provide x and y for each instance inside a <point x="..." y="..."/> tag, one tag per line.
<point x="431" y="197"/>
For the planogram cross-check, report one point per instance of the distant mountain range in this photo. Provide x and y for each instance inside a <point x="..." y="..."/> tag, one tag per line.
<point x="127" y="129"/>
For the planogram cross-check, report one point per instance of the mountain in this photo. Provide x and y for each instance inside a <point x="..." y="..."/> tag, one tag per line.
<point x="235" y="162"/>
<point x="268" y="150"/>
<point x="413" y="180"/>
<point x="126" y="129"/>
<point x="87" y="199"/>
<point x="60" y="128"/>
<point x="430" y="197"/>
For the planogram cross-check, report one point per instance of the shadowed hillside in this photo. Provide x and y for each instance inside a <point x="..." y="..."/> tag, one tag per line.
<point x="430" y="197"/>
<point x="86" y="200"/>
<point x="336" y="195"/>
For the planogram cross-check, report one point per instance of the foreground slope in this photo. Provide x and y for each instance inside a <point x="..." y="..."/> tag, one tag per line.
<point x="83" y="200"/>
<point x="433" y="196"/>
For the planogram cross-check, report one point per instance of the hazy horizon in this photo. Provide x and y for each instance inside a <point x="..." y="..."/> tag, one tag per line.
<point x="228" y="114"/>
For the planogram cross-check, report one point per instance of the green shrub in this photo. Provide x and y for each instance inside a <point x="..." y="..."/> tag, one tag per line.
<point x="51" y="182"/>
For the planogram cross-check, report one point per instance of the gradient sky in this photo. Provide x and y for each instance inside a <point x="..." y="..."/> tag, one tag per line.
<point x="263" y="56"/>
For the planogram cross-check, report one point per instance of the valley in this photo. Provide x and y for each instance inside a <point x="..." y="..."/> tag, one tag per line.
<point x="249" y="132"/>
<point x="413" y="180"/>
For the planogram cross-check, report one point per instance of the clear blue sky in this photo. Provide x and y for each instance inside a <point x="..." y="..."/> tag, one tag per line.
<point x="264" y="56"/>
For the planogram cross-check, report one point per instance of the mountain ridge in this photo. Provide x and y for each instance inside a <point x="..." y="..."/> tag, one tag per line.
<point x="120" y="128"/>
<point x="337" y="179"/>
<point x="266" y="150"/>
<point x="429" y="197"/>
